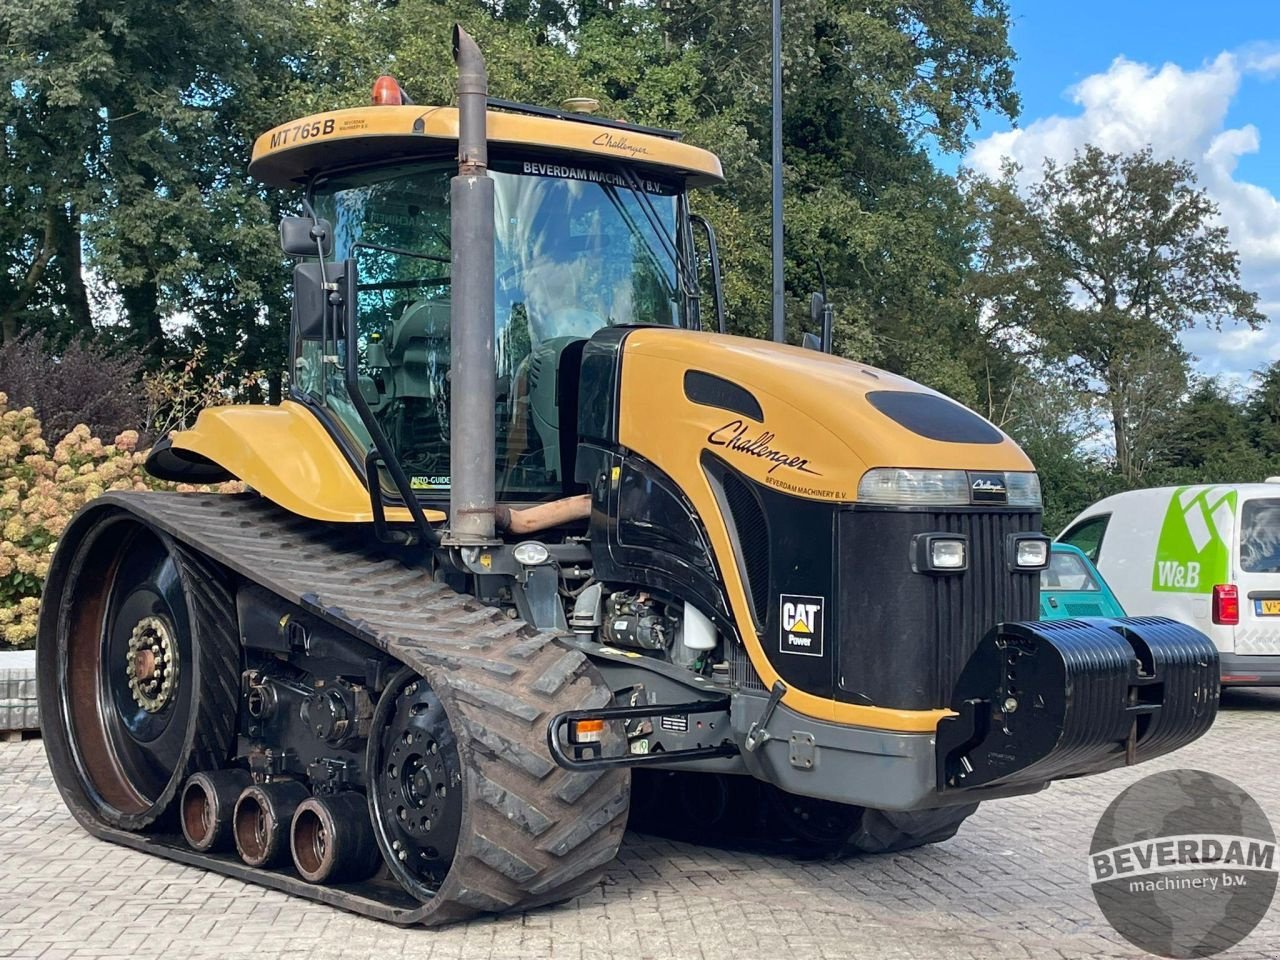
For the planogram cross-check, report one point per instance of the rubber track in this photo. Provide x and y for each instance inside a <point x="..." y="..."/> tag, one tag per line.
<point x="532" y="833"/>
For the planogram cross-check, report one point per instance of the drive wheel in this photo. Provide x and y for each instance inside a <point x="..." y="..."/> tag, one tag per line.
<point x="140" y="638"/>
<point x="415" y="785"/>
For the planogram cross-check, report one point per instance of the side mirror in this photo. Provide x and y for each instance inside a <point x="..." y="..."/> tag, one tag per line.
<point x="811" y="342"/>
<point x="311" y="298"/>
<point x="822" y="316"/>
<point x="305" y="237"/>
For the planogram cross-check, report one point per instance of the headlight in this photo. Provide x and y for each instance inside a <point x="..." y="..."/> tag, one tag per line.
<point x="947" y="554"/>
<point x="939" y="553"/>
<point x="911" y="487"/>
<point x="905" y="487"/>
<point x="1029" y="552"/>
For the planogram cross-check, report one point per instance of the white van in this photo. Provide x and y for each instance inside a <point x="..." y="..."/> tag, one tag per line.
<point x="1208" y="556"/>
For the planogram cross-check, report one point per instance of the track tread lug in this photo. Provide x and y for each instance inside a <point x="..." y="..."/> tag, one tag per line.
<point x="561" y="672"/>
<point x="512" y="806"/>
<point x="510" y="752"/>
<point x="583" y="827"/>
<point x="574" y="785"/>
<point x="503" y="860"/>
<point x="507" y="703"/>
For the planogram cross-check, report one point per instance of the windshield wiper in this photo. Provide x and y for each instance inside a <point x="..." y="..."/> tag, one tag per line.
<point x="685" y="275"/>
<point x="400" y="251"/>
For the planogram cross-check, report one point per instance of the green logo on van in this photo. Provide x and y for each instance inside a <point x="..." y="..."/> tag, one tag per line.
<point x="1194" y="551"/>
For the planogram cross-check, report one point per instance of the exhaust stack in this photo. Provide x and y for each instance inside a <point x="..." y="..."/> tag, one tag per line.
<point x="472" y="440"/>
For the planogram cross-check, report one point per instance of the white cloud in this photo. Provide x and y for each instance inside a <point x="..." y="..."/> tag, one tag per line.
<point x="1182" y="114"/>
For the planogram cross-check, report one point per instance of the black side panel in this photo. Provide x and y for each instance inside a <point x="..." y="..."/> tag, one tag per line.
<point x="906" y="636"/>
<point x="568" y="387"/>
<point x="786" y="553"/>
<point x="645" y="532"/>
<point x="599" y="385"/>
<point x="712" y="391"/>
<point x="933" y="416"/>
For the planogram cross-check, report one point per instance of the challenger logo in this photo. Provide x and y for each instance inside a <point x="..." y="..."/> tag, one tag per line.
<point x="801" y="624"/>
<point x="988" y="488"/>
<point x="733" y="436"/>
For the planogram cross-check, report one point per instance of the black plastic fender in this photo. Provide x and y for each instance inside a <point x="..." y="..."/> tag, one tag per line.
<point x="1041" y="701"/>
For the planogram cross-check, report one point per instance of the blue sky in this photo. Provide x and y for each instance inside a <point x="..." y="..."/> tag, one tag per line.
<point x="1199" y="81"/>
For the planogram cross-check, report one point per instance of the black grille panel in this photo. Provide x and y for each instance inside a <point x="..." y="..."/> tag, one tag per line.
<point x="905" y="636"/>
<point x="753" y="538"/>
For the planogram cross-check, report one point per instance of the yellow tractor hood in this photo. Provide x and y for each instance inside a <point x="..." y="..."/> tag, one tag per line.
<point x="806" y="423"/>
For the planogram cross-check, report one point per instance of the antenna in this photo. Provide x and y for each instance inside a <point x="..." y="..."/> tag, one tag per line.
<point x="776" y="232"/>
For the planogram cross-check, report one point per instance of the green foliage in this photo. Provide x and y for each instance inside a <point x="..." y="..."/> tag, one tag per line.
<point x="1097" y="267"/>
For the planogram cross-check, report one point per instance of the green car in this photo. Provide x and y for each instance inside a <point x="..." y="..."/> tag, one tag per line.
<point x="1071" y="587"/>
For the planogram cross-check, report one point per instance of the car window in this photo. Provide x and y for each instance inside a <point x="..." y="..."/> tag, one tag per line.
<point x="1087" y="536"/>
<point x="1067" y="572"/>
<point x="1260" y="536"/>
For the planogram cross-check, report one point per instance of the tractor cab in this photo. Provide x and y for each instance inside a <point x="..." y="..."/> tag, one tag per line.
<point x="591" y="230"/>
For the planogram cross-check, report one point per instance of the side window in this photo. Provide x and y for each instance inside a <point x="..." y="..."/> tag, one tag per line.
<point x="1087" y="535"/>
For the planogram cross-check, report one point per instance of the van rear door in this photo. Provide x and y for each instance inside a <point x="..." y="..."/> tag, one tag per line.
<point x="1258" y="577"/>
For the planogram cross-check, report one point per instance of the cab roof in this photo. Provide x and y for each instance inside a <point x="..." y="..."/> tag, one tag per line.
<point x="290" y="154"/>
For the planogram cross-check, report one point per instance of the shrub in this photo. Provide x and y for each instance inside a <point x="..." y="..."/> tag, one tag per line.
<point x="84" y="383"/>
<point x="40" y="490"/>
<point x="175" y="395"/>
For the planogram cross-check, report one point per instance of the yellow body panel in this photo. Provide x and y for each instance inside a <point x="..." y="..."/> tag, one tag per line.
<point x="288" y="456"/>
<point x="292" y="152"/>
<point x="818" y="417"/>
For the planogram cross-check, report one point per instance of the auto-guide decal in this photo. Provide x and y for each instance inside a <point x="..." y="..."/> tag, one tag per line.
<point x="733" y="436"/>
<point x="800" y="624"/>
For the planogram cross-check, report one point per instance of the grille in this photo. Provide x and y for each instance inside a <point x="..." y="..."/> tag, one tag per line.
<point x="753" y="538"/>
<point x="905" y="636"/>
<point x="964" y="608"/>
<point x="741" y="672"/>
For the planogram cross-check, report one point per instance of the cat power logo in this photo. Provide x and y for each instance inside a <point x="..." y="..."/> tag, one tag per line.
<point x="801" y="625"/>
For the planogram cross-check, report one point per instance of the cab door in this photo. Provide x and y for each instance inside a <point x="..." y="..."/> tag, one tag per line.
<point x="1258" y="576"/>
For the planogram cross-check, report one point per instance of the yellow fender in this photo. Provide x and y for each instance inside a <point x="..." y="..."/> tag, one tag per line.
<point x="283" y="452"/>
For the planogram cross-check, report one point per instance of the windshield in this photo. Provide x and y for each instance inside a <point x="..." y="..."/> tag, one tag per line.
<point x="576" y="249"/>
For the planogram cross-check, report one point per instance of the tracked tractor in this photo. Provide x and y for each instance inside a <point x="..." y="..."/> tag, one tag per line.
<point x="531" y="531"/>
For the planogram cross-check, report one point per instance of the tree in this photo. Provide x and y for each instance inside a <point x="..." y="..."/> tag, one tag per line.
<point x="1262" y="414"/>
<point x="1097" y="268"/>
<point x="127" y="135"/>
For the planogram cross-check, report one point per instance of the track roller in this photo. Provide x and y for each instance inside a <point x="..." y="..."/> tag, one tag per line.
<point x="208" y="806"/>
<point x="262" y="817"/>
<point x="332" y="839"/>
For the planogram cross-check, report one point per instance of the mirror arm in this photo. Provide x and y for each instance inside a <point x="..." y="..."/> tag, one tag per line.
<point x="713" y="252"/>
<point x="382" y="449"/>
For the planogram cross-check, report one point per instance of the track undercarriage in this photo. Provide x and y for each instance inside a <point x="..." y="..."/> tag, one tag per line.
<point x="276" y="684"/>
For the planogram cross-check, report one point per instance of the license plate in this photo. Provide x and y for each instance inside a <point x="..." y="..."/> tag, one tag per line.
<point x="1266" y="608"/>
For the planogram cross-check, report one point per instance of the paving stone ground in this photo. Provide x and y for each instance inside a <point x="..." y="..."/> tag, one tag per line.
<point x="1012" y="884"/>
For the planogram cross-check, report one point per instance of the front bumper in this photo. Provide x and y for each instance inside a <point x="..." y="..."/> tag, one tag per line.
<point x="1037" y="702"/>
